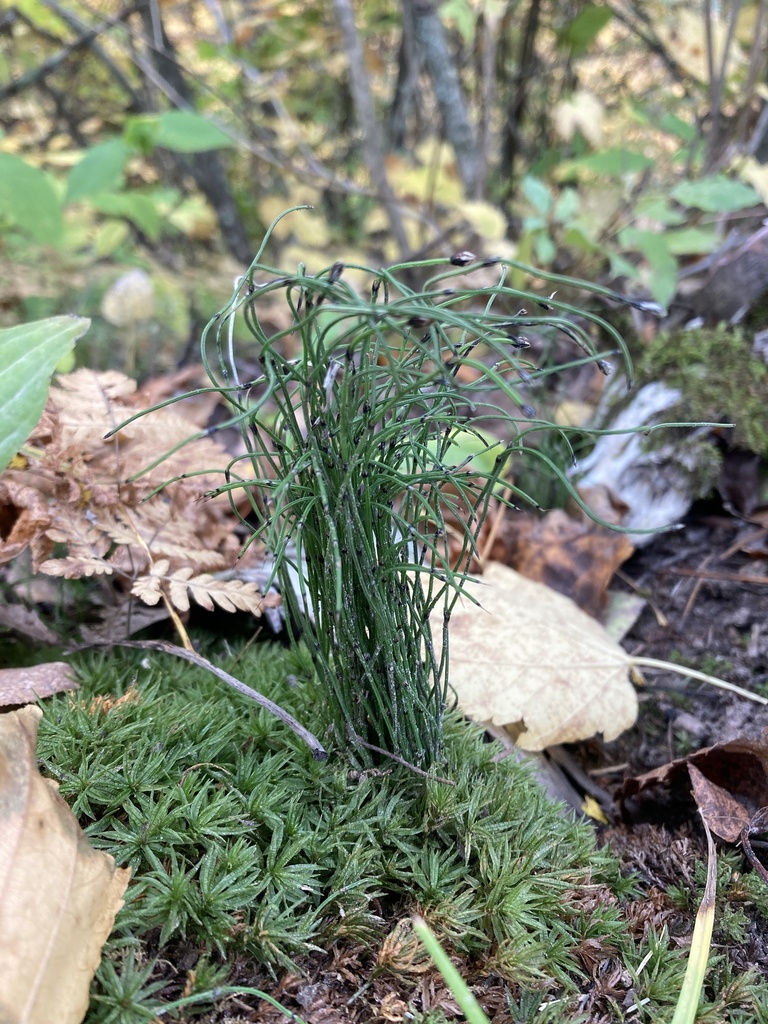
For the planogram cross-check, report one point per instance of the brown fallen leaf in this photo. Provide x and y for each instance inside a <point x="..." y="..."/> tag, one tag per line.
<point x="529" y="657"/>
<point x="25" y="685"/>
<point x="576" y="558"/>
<point x="725" y="815"/>
<point x="26" y="622"/>
<point x="58" y="896"/>
<point x="727" y="783"/>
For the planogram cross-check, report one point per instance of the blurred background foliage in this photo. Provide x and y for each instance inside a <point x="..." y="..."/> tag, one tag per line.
<point x="145" y="145"/>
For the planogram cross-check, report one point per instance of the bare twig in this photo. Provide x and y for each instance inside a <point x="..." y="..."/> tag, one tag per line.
<point x="318" y="750"/>
<point x="86" y="39"/>
<point x="401" y="760"/>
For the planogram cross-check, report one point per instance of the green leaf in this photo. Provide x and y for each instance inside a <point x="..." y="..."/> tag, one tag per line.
<point x="656" y="251"/>
<point x="675" y="125"/>
<point x="584" y="28"/>
<point x="658" y="208"/>
<point x="138" y="209"/>
<point x="29" y="354"/>
<point x="462" y="14"/>
<point x="567" y="205"/>
<point x="691" y="241"/>
<point x="613" y="161"/>
<point x="716" y="194"/>
<point x="537" y="194"/>
<point x="545" y="249"/>
<point x="100" y="170"/>
<point x="186" y="132"/>
<point x="577" y="238"/>
<point x="140" y="132"/>
<point x="28" y="197"/>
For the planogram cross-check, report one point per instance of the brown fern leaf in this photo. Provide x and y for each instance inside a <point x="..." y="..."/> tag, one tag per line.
<point x="87" y="493"/>
<point x="74" y="567"/>
<point x="207" y="590"/>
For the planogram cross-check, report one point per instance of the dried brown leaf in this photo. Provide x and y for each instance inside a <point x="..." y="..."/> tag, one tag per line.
<point x="87" y="494"/>
<point x="75" y="567"/>
<point x="576" y="558"/>
<point x="25" y="685"/>
<point x="58" y="896"/>
<point x="729" y="784"/>
<point x="27" y="623"/>
<point x="725" y="815"/>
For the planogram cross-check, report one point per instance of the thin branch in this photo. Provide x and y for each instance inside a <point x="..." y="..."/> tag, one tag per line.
<point x="402" y="761"/>
<point x="318" y="750"/>
<point x="87" y="39"/>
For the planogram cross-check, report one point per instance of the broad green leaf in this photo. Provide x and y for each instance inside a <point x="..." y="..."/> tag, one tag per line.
<point x="584" y="28"/>
<point x="613" y="161"/>
<point x="110" y="236"/>
<point x="658" y="208"/>
<point x="716" y="194"/>
<point x="137" y="208"/>
<point x="663" y="265"/>
<point x="545" y="249"/>
<point x="140" y="132"/>
<point x="100" y="170"/>
<point x="576" y="237"/>
<point x="567" y="205"/>
<point x="29" y="354"/>
<point x="691" y="241"/>
<point x="675" y="125"/>
<point x="28" y="198"/>
<point x="537" y="194"/>
<point x="186" y="132"/>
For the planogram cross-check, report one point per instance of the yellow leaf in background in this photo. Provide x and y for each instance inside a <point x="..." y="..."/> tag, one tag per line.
<point x="571" y="413"/>
<point x="685" y="37"/>
<point x="310" y="228"/>
<point x="58" y="896"/>
<point x="486" y="219"/>
<point x="593" y="809"/>
<point x="273" y="206"/>
<point x="426" y="184"/>
<point x="129" y="299"/>
<point x="195" y="218"/>
<point x="529" y="657"/>
<point x="582" y="112"/>
<point x="756" y="175"/>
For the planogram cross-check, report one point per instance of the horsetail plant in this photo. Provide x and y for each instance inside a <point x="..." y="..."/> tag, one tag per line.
<point x="362" y="485"/>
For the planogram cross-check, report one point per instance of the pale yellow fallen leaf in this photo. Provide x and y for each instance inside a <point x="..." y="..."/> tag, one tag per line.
<point x="130" y="299"/>
<point x="58" y="896"/>
<point x="582" y="112"/>
<point x="25" y="685"/>
<point x="529" y="657"/>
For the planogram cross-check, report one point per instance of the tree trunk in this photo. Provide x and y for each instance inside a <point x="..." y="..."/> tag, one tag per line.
<point x="438" y="62"/>
<point x="206" y="168"/>
<point x="362" y="98"/>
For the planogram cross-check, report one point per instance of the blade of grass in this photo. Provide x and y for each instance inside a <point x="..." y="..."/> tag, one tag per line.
<point x="690" y="993"/>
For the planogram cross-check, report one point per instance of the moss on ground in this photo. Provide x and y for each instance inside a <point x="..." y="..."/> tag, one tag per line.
<point x="719" y="377"/>
<point x="247" y="851"/>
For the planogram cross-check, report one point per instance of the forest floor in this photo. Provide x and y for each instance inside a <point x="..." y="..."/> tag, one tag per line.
<point x="716" y="624"/>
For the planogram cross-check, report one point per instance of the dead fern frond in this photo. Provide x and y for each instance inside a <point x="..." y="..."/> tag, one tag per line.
<point x="85" y="506"/>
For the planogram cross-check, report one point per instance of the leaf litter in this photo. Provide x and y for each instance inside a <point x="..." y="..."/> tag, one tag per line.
<point x="58" y="896"/>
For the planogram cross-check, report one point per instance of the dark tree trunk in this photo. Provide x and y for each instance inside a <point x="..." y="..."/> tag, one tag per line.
<point x="438" y="62"/>
<point x="206" y="168"/>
